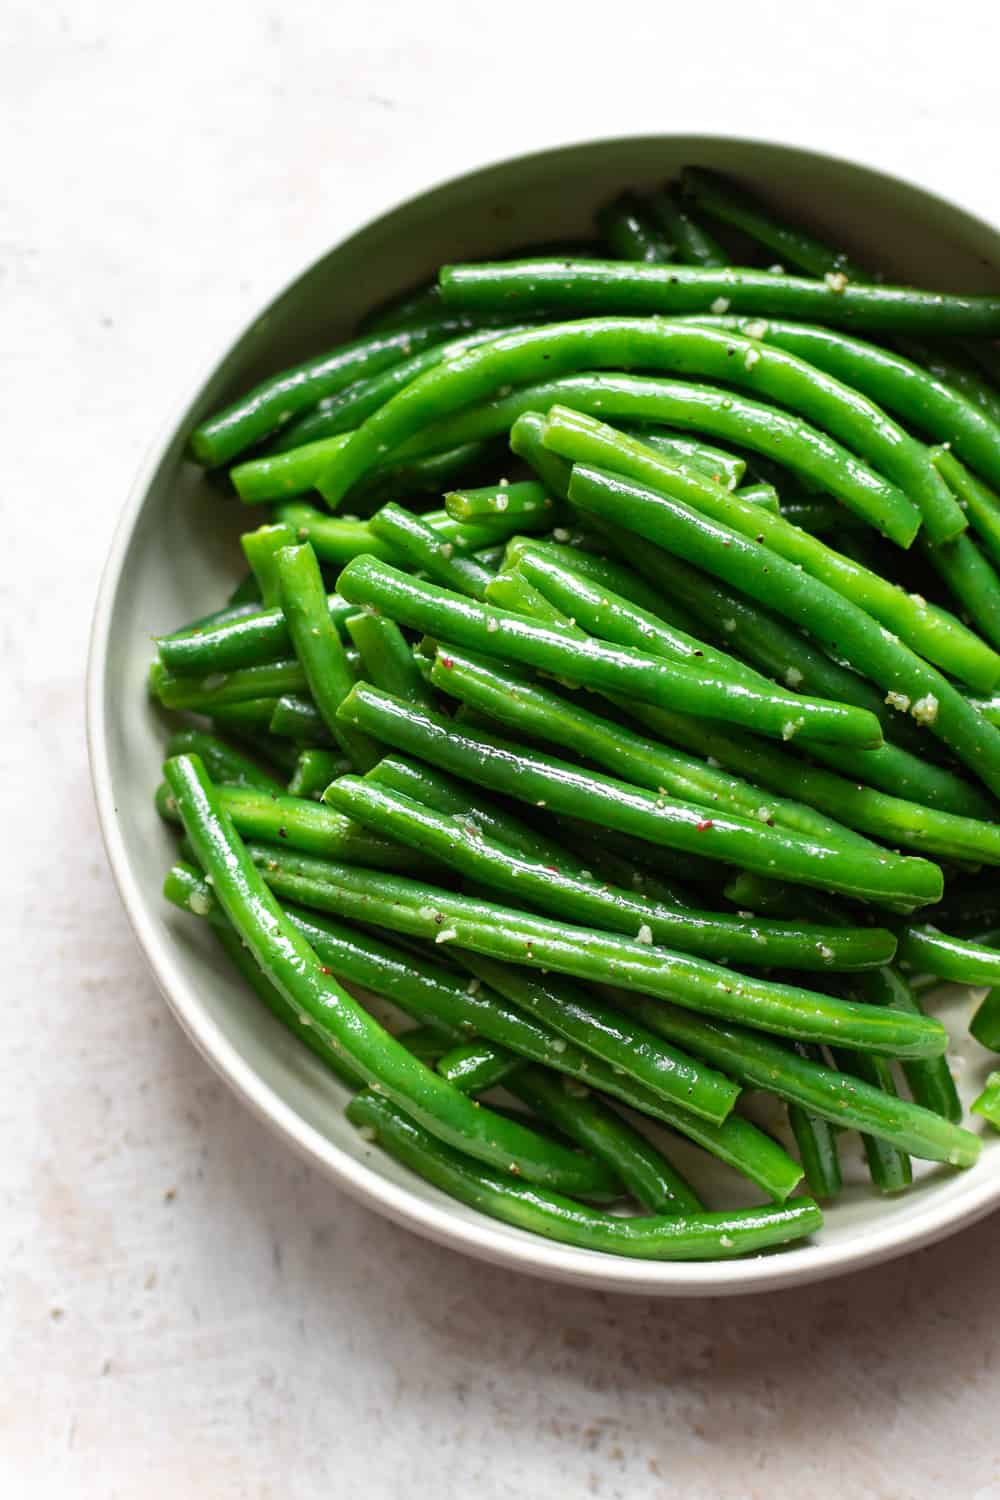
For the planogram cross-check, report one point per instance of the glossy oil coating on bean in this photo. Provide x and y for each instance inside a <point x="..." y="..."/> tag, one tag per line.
<point x="292" y="966"/>
<point x="591" y="901"/>
<point x="706" y="1236"/>
<point x="678" y="347"/>
<point x="618" y="287"/>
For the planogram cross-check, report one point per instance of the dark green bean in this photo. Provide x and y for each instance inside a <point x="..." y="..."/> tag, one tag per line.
<point x="692" y="243"/>
<point x="251" y="640"/>
<point x="930" y="951"/>
<point x="224" y="762"/>
<point x="889" y="1167"/>
<point x="314" y="771"/>
<point x="816" y="1139"/>
<point x="475" y="1067"/>
<point x="260" y="548"/>
<point x="630" y="232"/>
<point x="981" y="504"/>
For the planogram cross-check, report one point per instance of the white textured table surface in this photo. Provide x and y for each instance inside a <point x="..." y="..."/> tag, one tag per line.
<point x="184" y="1308"/>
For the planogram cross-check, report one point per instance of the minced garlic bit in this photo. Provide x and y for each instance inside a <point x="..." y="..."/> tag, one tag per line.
<point x="752" y="358"/>
<point x="793" y="676"/>
<point x="501" y="501"/>
<point x="472" y="986"/>
<point x="756" y="328"/>
<point x="776" y="270"/>
<point x="790" y="728"/>
<point x="825" y="953"/>
<point x="447" y="549"/>
<point x="558" y="1045"/>
<point x="763" y="813"/>
<point x="835" y="280"/>
<point x="729" y="625"/>
<point x="504" y="483"/>
<point x="560" y="533"/>
<point x="720" y="305"/>
<point x="726" y="1241"/>
<point x="919" y="601"/>
<point x="645" y="934"/>
<point x="898" y="700"/>
<point x="446" y="935"/>
<point x="925" y="710"/>
<point x="492" y="624"/>
<point x="199" y="903"/>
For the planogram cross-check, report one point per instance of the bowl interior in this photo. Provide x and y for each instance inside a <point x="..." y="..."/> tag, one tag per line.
<point x="176" y="556"/>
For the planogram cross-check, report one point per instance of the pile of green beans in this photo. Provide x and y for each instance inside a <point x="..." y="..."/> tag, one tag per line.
<point x="600" y="737"/>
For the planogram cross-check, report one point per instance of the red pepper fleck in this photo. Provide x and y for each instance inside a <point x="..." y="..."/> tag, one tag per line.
<point x="447" y="661"/>
<point x="552" y="869"/>
<point x="704" y="824"/>
<point x="324" y="970"/>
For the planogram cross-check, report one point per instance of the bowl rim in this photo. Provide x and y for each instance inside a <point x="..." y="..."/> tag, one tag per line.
<point x="433" y="1218"/>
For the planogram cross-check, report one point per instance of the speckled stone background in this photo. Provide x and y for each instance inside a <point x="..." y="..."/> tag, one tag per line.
<point x="184" y="1308"/>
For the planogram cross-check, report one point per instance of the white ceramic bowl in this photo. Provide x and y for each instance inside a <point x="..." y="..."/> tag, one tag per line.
<point x="174" y="557"/>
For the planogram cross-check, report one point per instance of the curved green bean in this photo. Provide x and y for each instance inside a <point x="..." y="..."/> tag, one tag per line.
<point x="692" y="244"/>
<point x="426" y="552"/>
<point x="224" y="762"/>
<point x="292" y="966"/>
<point x="707" y="1236"/>
<point x="931" y="951"/>
<point x="679" y="347"/>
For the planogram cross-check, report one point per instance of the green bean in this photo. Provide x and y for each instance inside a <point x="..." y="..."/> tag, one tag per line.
<point x="618" y="287"/>
<point x="602" y="1132"/>
<point x="429" y="472"/>
<point x="618" y="860"/>
<point x="344" y="410"/>
<point x="889" y="1167"/>
<point x="681" y="347"/>
<point x="424" y="550"/>
<point x="540" y="942"/>
<point x="297" y="823"/>
<point x="558" y="1003"/>
<point x="223" y="761"/>
<point x="981" y="504"/>
<point x="972" y="580"/>
<point x="386" y="658"/>
<point x="525" y="500"/>
<point x="764" y="495"/>
<point x="250" y="640"/>
<point x="465" y="622"/>
<point x="489" y="761"/>
<point x="630" y="232"/>
<point x="933" y="633"/>
<point x="319" y="648"/>
<point x="539" y="714"/>
<point x="929" y="1079"/>
<point x="314" y="771"/>
<point x="604" y="572"/>
<point x="837" y="623"/>
<point x="434" y="995"/>
<point x="820" y="516"/>
<point x="292" y="965"/>
<point x="427" y="1044"/>
<point x="988" y="1102"/>
<point x="296" y="717"/>
<point x="706" y="1236"/>
<point x="985" y="1024"/>
<point x="896" y="383"/>
<point x="236" y="724"/>
<point x="723" y="199"/>
<point x="817" y="1142"/>
<point x="552" y="472"/>
<point x="604" y="906"/>
<point x="725" y="468"/>
<point x="469" y="808"/>
<point x="220" y="689"/>
<point x="280" y="476"/>
<point x="475" y="1067"/>
<point x="279" y="398"/>
<point x="692" y="243"/>
<point x="260" y="548"/>
<point x="931" y="951"/>
<point x="245" y="963"/>
<point x="761" y="1062"/>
